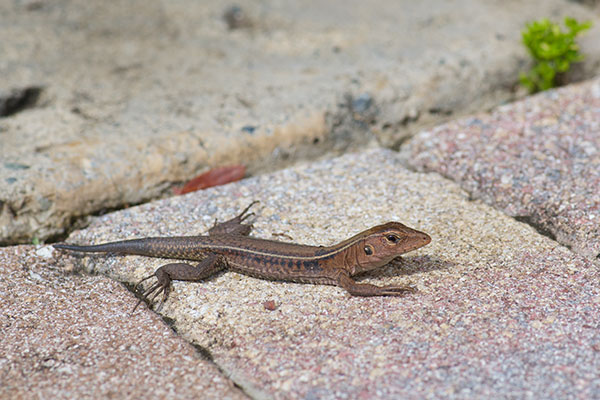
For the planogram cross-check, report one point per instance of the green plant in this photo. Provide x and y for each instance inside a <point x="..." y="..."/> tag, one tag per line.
<point x="552" y="49"/>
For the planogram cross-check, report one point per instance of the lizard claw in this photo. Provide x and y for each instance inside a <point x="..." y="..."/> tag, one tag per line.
<point x="177" y="271"/>
<point x="397" y="290"/>
<point x="163" y="285"/>
<point x="243" y="216"/>
<point x="234" y="226"/>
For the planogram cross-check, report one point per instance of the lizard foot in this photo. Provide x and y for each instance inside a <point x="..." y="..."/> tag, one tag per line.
<point x="366" y="289"/>
<point x="163" y="285"/>
<point x="395" y="290"/>
<point x="179" y="272"/>
<point x="234" y="226"/>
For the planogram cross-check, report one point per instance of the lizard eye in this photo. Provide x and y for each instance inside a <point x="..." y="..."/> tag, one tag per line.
<point x="392" y="238"/>
<point x="368" y="250"/>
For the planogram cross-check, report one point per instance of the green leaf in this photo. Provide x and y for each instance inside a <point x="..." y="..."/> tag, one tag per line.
<point x="552" y="49"/>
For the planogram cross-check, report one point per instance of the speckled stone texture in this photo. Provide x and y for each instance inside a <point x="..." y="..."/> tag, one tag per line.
<point x="501" y="312"/>
<point x="538" y="159"/>
<point x="71" y="336"/>
<point x="136" y="96"/>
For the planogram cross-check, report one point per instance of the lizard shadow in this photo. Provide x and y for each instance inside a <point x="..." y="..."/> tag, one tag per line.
<point x="408" y="265"/>
<point x="164" y="261"/>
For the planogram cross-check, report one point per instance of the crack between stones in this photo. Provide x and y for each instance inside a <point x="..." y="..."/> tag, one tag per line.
<point x="528" y="219"/>
<point x="206" y="355"/>
<point x="247" y="390"/>
<point x="18" y="100"/>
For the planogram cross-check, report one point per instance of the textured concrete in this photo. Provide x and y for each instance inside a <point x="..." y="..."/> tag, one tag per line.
<point x="71" y="336"/>
<point x="109" y="104"/>
<point x="537" y="160"/>
<point x="501" y="312"/>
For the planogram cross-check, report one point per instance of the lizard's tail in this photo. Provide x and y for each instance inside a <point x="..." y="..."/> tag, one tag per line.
<point x="134" y="246"/>
<point x="166" y="247"/>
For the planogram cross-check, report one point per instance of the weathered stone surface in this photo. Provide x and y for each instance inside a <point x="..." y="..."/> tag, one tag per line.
<point x="501" y="310"/>
<point x="136" y="95"/>
<point x="537" y="159"/>
<point x="68" y="336"/>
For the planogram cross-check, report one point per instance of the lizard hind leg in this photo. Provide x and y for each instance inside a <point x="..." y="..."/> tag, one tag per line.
<point x="178" y="272"/>
<point x="234" y="226"/>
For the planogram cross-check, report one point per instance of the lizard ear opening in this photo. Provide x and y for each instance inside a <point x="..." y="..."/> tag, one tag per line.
<point x="368" y="250"/>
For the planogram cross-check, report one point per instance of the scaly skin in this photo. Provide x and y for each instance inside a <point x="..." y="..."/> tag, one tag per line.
<point x="228" y="246"/>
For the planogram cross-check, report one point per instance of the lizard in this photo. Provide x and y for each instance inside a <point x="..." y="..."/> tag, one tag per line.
<point x="229" y="246"/>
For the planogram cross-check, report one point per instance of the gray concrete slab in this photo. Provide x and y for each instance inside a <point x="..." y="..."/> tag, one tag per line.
<point x="537" y="160"/>
<point x="71" y="336"/>
<point x="501" y="312"/>
<point x="118" y="101"/>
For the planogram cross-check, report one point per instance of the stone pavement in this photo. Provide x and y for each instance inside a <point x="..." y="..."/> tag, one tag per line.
<point x="508" y="291"/>
<point x="71" y="336"/>
<point x="111" y="104"/>
<point x="537" y="160"/>
<point x="501" y="311"/>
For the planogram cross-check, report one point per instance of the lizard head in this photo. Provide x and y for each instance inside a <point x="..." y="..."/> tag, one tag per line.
<point x="382" y="243"/>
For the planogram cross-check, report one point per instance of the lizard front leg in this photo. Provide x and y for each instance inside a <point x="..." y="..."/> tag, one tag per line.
<point x="179" y="272"/>
<point x="366" y="289"/>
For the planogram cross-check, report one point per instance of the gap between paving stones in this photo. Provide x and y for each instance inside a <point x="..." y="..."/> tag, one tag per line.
<point x="68" y="334"/>
<point x="239" y="382"/>
<point x="537" y="160"/>
<point x="203" y="352"/>
<point x="522" y="219"/>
